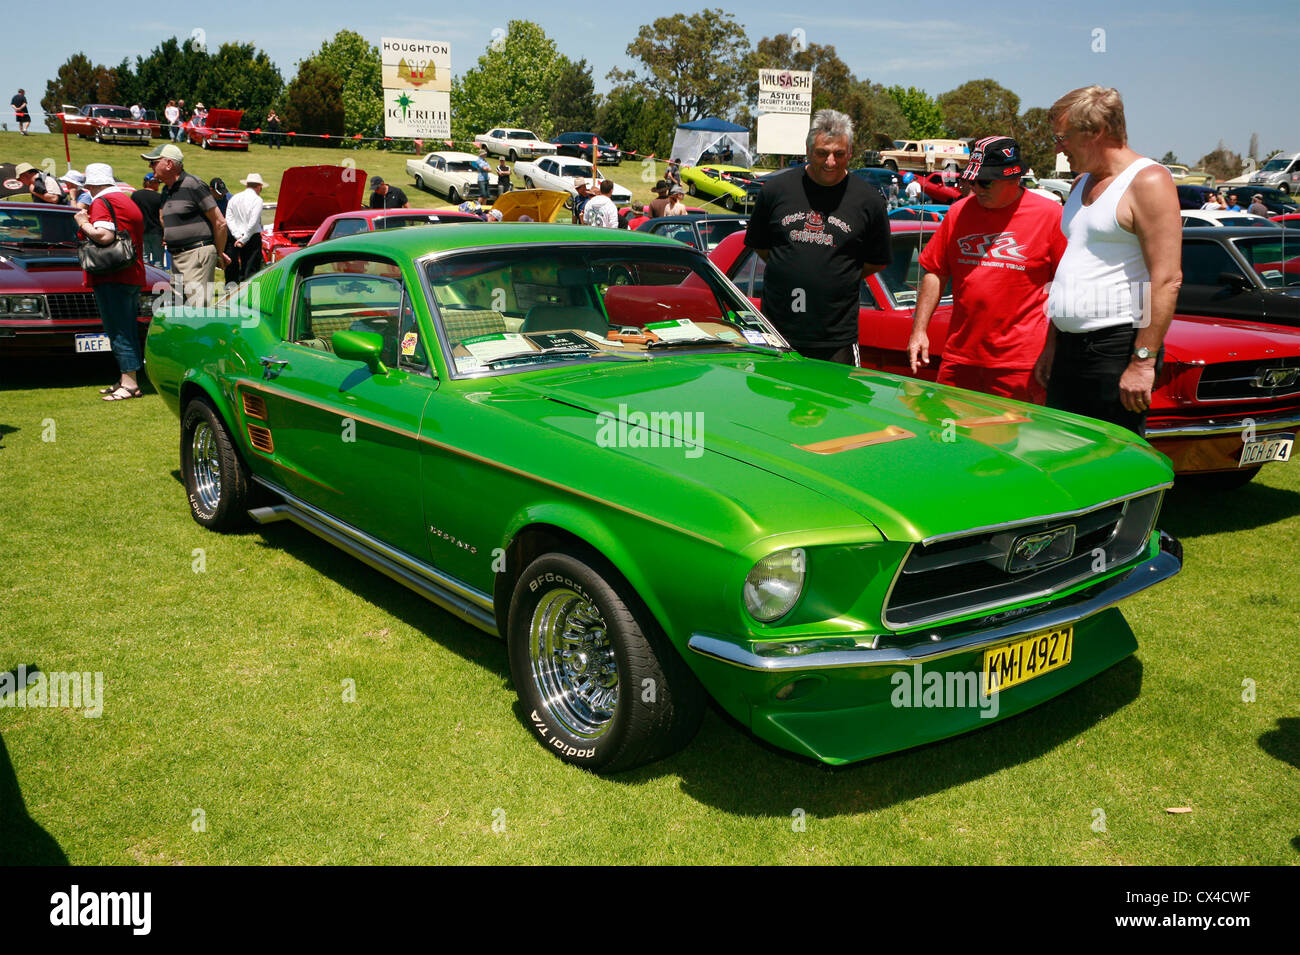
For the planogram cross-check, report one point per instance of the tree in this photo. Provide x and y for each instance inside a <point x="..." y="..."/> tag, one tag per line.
<point x="1253" y="151"/>
<point x="1222" y="163"/>
<point x="357" y="65"/>
<point x="877" y="120"/>
<point x="1168" y="157"/>
<point x="511" y="84"/>
<point x="77" y="82"/>
<point x="924" y="117"/>
<point x="172" y="70"/>
<point x="1037" y="145"/>
<point x="126" y="87"/>
<point x="572" y="104"/>
<point x="696" y="62"/>
<point x="981" y="108"/>
<point x="832" y="80"/>
<point x="635" y="122"/>
<point x="313" y="101"/>
<point x="241" y="77"/>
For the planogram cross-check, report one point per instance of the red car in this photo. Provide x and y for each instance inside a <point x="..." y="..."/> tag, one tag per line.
<point x="1223" y="381"/>
<point x="46" y="307"/>
<point x="106" y="124"/>
<point x="372" y="220"/>
<point x="219" y="131"/>
<point x="309" y="195"/>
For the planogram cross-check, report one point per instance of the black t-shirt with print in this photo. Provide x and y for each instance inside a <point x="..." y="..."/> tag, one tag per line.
<point x="818" y="238"/>
<point x="394" y="198"/>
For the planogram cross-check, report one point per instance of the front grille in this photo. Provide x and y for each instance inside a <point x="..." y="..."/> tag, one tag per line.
<point x="972" y="573"/>
<point x="1260" y="378"/>
<point x="72" y="305"/>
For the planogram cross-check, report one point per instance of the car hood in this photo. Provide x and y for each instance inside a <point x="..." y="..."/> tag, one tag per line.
<point x="943" y="459"/>
<point x="224" y="118"/>
<point x="311" y="194"/>
<point x="1197" y="338"/>
<point x="41" y="270"/>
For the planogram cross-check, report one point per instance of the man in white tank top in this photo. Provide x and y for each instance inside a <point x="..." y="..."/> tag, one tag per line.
<point x="1113" y="296"/>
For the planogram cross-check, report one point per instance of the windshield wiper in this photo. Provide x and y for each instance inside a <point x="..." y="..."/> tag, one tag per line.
<point x="552" y="353"/>
<point x="699" y="343"/>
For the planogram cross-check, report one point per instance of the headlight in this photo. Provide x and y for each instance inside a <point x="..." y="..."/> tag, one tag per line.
<point x="4" y="304"/>
<point x="26" y="305"/>
<point x="773" y="587"/>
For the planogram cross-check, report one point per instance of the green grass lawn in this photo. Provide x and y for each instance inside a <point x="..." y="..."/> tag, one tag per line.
<point x="226" y="660"/>
<point x="234" y="165"/>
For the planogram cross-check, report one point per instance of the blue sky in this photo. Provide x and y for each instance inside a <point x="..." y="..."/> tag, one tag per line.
<point x="1189" y="75"/>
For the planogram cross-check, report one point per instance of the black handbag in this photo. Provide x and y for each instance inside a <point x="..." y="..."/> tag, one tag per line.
<point x="102" y="259"/>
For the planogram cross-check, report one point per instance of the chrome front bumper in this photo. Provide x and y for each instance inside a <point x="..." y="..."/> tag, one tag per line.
<point x="1213" y="428"/>
<point x="789" y="656"/>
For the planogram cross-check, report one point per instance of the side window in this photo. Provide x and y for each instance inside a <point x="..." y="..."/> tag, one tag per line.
<point x="1203" y="261"/>
<point x="413" y="355"/>
<point x="744" y="275"/>
<point x="348" y="295"/>
<point x="346" y="227"/>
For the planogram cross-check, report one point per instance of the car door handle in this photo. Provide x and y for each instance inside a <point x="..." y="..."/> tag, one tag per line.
<point x="272" y="366"/>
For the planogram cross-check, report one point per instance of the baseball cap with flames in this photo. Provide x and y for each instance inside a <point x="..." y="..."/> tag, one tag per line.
<point x="994" y="157"/>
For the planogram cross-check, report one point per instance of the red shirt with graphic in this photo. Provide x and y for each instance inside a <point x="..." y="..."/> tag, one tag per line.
<point x="1001" y="262"/>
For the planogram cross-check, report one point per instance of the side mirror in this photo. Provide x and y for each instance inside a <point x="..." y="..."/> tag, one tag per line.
<point x="1234" y="280"/>
<point x="361" y="346"/>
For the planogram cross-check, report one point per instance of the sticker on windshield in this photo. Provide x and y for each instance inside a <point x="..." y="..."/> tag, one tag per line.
<point x="682" y="329"/>
<point x="1272" y="275"/>
<point x="729" y="336"/>
<point x="467" y="363"/>
<point x="772" y="340"/>
<point x="755" y="338"/>
<point x="487" y="348"/>
<point x="409" y="341"/>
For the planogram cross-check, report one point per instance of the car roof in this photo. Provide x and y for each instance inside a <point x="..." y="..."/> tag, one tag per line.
<point x="1217" y="214"/>
<point x="487" y="235"/>
<point x="455" y="155"/>
<point x="1236" y="232"/>
<point x="42" y="207"/>
<point x="386" y="213"/>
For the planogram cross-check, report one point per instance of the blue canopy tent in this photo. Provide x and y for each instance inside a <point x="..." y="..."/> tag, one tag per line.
<point x="715" y="136"/>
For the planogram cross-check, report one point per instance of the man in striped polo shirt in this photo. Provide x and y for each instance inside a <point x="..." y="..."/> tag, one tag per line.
<point x="194" y="230"/>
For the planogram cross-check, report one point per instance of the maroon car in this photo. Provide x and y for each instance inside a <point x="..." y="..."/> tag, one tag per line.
<point x="373" y="220"/>
<point x="1224" y="382"/>
<point x="308" y="195"/>
<point x="106" y="124"/>
<point x="219" y="131"/>
<point x="46" y="307"/>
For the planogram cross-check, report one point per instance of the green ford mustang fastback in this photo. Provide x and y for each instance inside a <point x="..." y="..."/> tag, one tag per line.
<point x="589" y="443"/>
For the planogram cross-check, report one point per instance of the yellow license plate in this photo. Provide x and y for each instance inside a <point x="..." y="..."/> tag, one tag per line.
<point x="1026" y="659"/>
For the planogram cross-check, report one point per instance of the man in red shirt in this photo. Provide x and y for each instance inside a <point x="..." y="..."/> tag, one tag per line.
<point x="999" y="247"/>
<point x="117" y="293"/>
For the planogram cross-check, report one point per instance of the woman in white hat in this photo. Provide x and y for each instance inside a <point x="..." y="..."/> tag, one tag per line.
<point x="75" y="182"/>
<point x="117" y="293"/>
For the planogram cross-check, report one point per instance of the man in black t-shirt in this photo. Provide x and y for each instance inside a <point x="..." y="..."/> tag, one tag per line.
<point x="150" y="203"/>
<point x="821" y="232"/>
<point x="23" y="117"/>
<point x="385" y="196"/>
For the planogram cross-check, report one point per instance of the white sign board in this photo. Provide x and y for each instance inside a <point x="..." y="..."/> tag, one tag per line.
<point x="417" y="88"/>
<point x="783" y="134"/>
<point x="784" y="91"/>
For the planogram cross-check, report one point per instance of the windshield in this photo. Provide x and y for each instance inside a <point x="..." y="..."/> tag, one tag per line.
<point x="519" y="309"/>
<point x="460" y="165"/>
<point x="1276" y="258"/>
<point x="519" y="134"/>
<point x="428" y="218"/>
<point x="1275" y="165"/>
<point x="112" y="112"/>
<point x="37" y="228"/>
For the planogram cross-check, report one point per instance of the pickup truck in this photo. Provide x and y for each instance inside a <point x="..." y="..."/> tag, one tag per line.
<point x="514" y="143"/>
<point x="926" y="155"/>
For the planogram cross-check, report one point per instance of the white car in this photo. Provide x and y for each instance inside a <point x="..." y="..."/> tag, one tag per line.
<point x="1224" y="217"/>
<point x="449" y="173"/>
<point x="559" y="172"/>
<point x="514" y="143"/>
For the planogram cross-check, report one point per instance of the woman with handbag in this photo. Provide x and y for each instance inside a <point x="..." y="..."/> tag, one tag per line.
<point x="112" y="256"/>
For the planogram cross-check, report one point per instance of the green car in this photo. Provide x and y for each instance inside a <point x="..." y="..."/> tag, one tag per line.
<point x="735" y="187"/>
<point x="588" y="443"/>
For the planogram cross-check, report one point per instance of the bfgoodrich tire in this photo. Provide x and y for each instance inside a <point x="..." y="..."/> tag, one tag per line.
<point x="216" y="478"/>
<point x="600" y="685"/>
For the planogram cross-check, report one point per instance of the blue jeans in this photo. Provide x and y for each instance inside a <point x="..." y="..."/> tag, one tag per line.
<point x="119" y="309"/>
<point x="483" y="186"/>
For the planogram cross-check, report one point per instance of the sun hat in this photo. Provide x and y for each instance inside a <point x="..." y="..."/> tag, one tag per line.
<point x="165" y="151"/>
<point x="100" y="174"/>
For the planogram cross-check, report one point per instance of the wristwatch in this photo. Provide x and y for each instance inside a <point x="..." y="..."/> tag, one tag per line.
<point x="1142" y="354"/>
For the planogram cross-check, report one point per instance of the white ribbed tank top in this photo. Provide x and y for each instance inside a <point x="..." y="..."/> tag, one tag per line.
<point x="1102" y="280"/>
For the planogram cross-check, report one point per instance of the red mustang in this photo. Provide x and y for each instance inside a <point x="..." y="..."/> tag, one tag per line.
<point x="106" y="124"/>
<point x="220" y="130"/>
<point x="308" y="195"/>
<point x="1223" y="383"/>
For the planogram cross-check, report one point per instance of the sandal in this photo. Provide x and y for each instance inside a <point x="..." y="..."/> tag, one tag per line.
<point x="110" y="389"/>
<point x="122" y="393"/>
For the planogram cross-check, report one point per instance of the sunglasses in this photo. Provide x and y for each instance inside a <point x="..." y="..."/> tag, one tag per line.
<point x="984" y="183"/>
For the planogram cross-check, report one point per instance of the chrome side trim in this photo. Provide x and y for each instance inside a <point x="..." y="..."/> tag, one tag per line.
<point x="1007" y="525"/>
<point x="456" y="597"/>
<point x="1210" y="429"/>
<point x="1164" y="565"/>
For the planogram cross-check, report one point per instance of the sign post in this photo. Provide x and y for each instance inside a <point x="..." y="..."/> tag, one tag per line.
<point x="784" y="111"/>
<point x="416" y="88"/>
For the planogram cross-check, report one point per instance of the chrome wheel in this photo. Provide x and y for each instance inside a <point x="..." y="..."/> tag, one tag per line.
<point x="206" y="463"/>
<point x="573" y="663"/>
